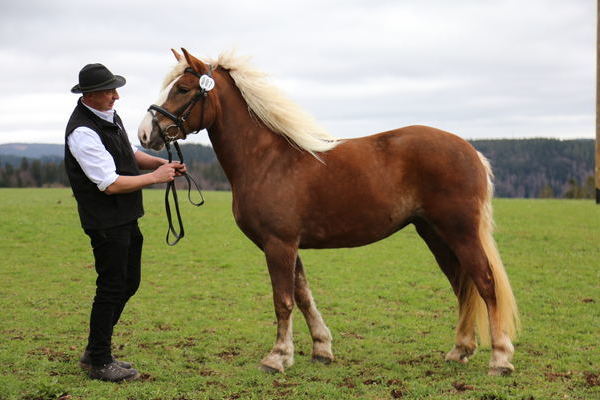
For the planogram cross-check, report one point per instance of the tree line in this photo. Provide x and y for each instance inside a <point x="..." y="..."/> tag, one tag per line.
<point x="530" y="168"/>
<point x="27" y="172"/>
<point x="541" y="168"/>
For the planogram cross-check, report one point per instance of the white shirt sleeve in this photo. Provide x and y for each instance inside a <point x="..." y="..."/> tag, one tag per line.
<point x="95" y="161"/>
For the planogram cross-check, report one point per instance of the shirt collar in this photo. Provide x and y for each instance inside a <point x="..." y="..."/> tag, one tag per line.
<point x="108" y="116"/>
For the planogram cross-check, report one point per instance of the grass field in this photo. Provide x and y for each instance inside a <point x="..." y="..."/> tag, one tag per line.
<point x="203" y="317"/>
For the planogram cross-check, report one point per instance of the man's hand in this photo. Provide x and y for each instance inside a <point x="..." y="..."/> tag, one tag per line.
<point x="180" y="169"/>
<point x="166" y="172"/>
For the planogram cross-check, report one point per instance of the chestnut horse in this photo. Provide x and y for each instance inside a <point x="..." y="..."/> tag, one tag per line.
<point x="296" y="187"/>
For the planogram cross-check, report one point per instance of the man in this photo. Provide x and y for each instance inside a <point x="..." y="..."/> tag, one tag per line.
<point x="104" y="172"/>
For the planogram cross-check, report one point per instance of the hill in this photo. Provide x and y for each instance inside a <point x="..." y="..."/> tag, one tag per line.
<point x="540" y="167"/>
<point x="525" y="168"/>
<point x="31" y="150"/>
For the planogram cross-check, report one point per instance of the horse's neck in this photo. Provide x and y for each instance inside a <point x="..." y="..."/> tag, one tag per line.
<point x="242" y="144"/>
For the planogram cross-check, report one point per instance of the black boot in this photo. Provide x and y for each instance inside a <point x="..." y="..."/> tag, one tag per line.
<point x="85" y="362"/>
<point x="113" y="373"/>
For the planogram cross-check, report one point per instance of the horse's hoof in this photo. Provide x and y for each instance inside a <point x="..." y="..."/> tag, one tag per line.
<point x="501" y="370"/>
<point x="460" y="354"/>
<point x="323" y="359"/>
<point x="457" y="357"/>
<point x="270" y="369"/>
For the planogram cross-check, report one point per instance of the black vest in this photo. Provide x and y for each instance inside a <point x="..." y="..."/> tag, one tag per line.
<point x="98" y="210"/>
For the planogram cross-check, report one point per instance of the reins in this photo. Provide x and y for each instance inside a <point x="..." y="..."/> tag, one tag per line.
<point x="206" y="83"/>
<point x="171" y="188"/>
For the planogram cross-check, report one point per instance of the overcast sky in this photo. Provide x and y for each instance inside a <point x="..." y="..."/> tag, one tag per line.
<point x="478" y="68"/>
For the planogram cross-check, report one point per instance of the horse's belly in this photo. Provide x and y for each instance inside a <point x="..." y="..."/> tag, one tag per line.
<point x="352" y="230"/>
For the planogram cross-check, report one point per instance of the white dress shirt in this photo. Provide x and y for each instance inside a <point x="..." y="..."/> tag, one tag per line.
<point x="87" y="148"/>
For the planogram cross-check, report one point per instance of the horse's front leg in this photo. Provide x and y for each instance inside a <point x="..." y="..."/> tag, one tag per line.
<point x="281" y="260"/>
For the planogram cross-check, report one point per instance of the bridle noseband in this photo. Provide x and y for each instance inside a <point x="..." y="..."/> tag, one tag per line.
<point x="206" y="83"/>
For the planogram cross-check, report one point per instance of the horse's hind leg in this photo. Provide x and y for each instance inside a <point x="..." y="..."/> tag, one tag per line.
<point x="474" y="263"/>
<point x="318" y="330"/>
<point x="466" y="343"/>
<point x="281" y="260"/>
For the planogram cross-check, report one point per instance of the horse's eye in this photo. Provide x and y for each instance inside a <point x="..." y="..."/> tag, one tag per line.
<point x="182" y="90"/>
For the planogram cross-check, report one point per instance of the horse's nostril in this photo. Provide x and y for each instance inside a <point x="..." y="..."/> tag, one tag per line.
<point x="145" y="137"/>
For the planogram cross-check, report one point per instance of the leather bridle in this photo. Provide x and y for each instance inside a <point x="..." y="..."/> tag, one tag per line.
<point x="179" y="120"/>
<point x="169" y="134"/>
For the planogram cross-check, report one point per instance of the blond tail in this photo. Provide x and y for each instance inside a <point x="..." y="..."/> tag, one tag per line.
<point x="505" y="300"/>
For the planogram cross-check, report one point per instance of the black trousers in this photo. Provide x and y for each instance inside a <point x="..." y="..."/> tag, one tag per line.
<point x="117" y="255"/>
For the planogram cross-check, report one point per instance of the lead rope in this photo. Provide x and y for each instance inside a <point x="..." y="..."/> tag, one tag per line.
<point x="171" y="188"/>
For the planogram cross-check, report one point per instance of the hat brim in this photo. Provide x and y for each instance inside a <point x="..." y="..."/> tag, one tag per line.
<point x="117" y="82"/>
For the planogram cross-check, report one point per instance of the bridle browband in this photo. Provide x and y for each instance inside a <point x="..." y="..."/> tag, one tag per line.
<point x="178" y="123"/>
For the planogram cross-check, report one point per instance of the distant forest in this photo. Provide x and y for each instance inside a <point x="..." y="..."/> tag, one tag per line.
<point x="526" y="168"/>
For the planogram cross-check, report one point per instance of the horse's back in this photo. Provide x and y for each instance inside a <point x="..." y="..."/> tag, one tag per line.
<point x="421" y="156"/>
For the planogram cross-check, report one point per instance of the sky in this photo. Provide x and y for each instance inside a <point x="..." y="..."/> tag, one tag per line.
<point x="477" y="68"/>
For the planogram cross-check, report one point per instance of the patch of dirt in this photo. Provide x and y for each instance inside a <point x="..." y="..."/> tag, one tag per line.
<point x="352" y="335"/>
<point x="228" y="354"/>
<point x="554" y="376"/>
<point x="592" y="379"/>
<point x="145" y="377"/>
<point x="207" y="372"/>
<point x="462" y="387"/>
<point x="215" y="383"/>
<point x="415" y="361"/>
<point x="397" y="393"/>
<point x="277" y="383"/>
<point x="491" y="397"/>
<point x="51" y="355"/>
<point x="347" y="382"/>
<point x="187" y="342"/>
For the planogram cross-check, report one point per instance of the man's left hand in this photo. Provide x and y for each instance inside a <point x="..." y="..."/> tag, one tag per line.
<point x="180" y="170"/>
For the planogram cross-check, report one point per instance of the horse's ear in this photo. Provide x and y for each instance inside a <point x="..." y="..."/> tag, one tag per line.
<point x="193" y="62"/>
<point x="178" y="56"/>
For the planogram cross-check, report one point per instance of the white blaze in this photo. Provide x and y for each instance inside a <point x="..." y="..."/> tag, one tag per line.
<point x="145" y="128"/>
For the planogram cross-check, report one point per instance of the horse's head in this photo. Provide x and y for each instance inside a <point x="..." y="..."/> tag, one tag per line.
<point x="186" y="104"/>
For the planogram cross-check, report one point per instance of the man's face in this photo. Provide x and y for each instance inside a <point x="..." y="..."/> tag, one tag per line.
<point x="102" y="100"/>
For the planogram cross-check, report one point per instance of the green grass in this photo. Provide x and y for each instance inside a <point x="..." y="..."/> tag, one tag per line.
<point x="203" y="317"/>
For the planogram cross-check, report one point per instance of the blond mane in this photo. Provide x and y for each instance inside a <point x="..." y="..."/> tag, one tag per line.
<point x="273" y="108"/>
<point x="268" y="104"/>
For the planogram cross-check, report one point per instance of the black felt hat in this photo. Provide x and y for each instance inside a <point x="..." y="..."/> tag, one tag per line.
<point x="95" y="77"/>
